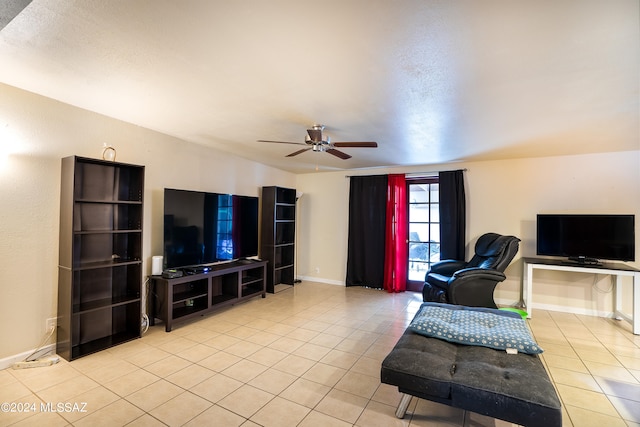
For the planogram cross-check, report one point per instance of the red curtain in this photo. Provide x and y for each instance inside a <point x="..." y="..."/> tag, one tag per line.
<point x="395" y="262"/>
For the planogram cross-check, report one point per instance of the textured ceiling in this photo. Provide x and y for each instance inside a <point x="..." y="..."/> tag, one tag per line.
<point x="431" y="81"/>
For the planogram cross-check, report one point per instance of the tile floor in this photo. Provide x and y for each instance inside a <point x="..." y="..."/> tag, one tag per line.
<point x="307" y="356"/>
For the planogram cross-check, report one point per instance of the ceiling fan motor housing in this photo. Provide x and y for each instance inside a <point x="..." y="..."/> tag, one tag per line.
<point x="314" y="136"/>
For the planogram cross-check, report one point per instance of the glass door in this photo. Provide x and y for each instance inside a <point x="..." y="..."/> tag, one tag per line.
<point x="424" y="229"/>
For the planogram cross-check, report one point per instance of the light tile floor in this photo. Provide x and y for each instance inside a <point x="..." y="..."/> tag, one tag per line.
<point x="307" y="356"/>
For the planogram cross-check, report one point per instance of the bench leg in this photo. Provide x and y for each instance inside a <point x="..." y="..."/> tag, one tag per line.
<point x="403" y="405"/>
<point x="467" y="421"/>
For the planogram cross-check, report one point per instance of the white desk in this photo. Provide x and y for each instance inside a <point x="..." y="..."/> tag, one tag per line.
<point x="617" y="270"/>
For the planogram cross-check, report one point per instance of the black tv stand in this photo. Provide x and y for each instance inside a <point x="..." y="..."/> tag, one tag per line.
<point x="584" y="260"/>
<point x="197" y="294"/>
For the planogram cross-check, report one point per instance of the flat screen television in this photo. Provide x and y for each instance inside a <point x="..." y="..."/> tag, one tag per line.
<point x="586" y="238"/>
<point x="202" y="228"/>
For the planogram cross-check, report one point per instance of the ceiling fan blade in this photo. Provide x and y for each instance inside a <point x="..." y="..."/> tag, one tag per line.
<point x="298" y="152"/>
<point x="315" y="134"/>
<point x="337" y="153"/>
<point x="356" y="144"/>
<point x="281" y="142"/>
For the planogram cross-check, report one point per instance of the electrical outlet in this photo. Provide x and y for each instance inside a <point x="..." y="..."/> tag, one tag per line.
<point x="51" y="323"/>
<point x="317" y="270"/>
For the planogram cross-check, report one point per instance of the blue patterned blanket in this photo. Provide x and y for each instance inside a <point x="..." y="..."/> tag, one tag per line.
<point x="484" y="327"/>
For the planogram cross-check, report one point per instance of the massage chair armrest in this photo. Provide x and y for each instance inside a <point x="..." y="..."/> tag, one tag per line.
<point x="474" y="287"/>
<point x="478" y="273"/>
<point x="447" y="267"/>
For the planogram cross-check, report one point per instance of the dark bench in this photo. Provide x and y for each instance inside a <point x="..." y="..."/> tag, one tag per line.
<point x="510" y="387"/>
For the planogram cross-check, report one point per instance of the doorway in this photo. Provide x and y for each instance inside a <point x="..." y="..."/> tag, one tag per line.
<point x="424" y="229"/>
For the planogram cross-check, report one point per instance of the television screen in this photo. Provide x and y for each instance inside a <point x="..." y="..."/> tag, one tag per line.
<point x="586" y="238"/>
<point x="204" y="228"/>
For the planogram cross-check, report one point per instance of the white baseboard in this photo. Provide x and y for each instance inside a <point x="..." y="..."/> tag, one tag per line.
<point x="7" y="362"/>
<point x="321" y="280"/>
<point x="572" y="310"/>
<point x="500" y="302"/>
<point x="559" y="308"/>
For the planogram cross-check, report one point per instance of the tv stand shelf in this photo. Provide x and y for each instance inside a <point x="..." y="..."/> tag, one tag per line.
<point x="194" y="295"/>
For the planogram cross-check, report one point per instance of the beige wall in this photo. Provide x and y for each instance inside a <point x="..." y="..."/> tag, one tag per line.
<point x="39" y="132"/>
<point x="502" y="196"/>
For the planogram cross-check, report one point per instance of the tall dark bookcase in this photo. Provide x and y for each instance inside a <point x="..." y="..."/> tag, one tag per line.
<point x="100" y="255"/>
<point x="278" y="231"/>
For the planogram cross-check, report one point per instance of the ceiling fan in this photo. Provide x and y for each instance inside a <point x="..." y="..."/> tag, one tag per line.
<point x="317" y="142"/>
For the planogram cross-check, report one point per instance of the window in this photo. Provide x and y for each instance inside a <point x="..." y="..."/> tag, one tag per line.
<point x="224" y="243"/>
<point x="424" y="228"/>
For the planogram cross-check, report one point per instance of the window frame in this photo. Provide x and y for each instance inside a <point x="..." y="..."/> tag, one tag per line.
<point x="417" y="285"/>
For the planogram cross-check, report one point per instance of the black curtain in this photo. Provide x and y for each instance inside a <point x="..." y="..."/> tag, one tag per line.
<point x="367" y="215"/>
<point x="452" y="215"/>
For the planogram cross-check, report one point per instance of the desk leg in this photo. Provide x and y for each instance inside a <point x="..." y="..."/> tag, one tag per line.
<point x="636" y="304"/>
<point x="522" y="304"/>
<point x="617" y="295"/>
<point x="527" y="288"/>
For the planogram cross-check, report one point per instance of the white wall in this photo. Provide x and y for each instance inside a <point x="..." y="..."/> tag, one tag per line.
<point x="35" y="133"/>
<point x="502" y="196"/>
